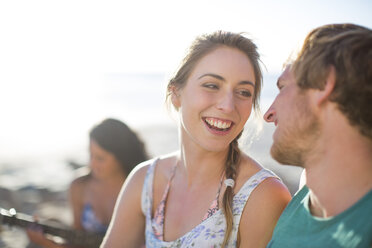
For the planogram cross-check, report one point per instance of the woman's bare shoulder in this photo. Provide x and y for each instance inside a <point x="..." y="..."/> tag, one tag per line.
<point x="264" y="206"/>
<point x="139" y="172"/>
<point x="247" y="168"/>
<point x="166" y="163"/>
<point x="162" y="166"/>
<point x="133" y="185"/>
<point x="80" y="182"/>
<point x="271" y="188"/>
<point x="272" y="191"/>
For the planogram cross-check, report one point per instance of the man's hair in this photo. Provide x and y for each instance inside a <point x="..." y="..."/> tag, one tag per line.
<point x="348" y="48"/>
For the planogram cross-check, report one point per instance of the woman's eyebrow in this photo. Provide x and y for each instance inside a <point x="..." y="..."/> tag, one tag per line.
<point x="212" y="75"/>
<point x="223" y="79"/>
<point x="247" y="82"/>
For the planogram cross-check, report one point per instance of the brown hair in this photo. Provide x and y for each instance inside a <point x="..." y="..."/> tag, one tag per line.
<point x="202" y="46"/>
<point x="348" y="48"/>
<point x="117" y="138"/>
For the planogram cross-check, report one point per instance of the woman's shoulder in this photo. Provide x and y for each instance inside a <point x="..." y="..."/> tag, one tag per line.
<point x="248" y="168"/>
<point x="272" y="191"/>
<point x="79" y="188"/>
<point x="161" y="166"/>
<point x="81" y="180"/>
<point x="270" y="187"/>
<point x="267" y="200"/>
<point x="166" y="163"/>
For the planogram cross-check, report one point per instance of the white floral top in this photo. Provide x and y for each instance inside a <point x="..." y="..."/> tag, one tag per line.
<point x="211" y="231"/>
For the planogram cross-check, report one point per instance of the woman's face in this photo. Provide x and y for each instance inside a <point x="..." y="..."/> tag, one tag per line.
<point x="216" y="101"/>
<point x="103" y="164"/>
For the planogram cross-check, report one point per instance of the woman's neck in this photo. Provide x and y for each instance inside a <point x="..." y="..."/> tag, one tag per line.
<point x="199" y="165"/>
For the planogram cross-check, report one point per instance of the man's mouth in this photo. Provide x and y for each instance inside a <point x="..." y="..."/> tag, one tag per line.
<point x="218" y="124"/>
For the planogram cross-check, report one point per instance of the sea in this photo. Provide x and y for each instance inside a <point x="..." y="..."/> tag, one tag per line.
<point x="44" y="138"/>
<point x="44" y="133"/>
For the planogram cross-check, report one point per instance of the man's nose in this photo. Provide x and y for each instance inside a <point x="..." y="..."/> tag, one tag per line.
<point x="270" y="114"/>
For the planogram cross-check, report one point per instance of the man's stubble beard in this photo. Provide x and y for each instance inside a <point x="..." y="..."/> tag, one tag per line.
<point x="295" y="143"/>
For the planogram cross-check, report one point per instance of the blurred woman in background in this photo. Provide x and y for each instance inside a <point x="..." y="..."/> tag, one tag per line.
<point x="114" y="151"/>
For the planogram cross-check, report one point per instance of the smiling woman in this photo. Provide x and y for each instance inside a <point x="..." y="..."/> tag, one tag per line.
<point x="180" y="199"/>
<point x="222" y="85"/>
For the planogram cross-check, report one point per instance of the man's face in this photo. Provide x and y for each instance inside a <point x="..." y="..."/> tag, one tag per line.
<point x="296" y="125"/>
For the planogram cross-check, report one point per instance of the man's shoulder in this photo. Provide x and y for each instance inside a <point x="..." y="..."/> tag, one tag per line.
<point x="299" y="197"/>
<point x="298" y="228"/>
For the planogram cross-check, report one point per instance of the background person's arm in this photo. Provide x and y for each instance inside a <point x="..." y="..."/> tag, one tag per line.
<point x="76" y="194"/>
<point x="127" y="226"/>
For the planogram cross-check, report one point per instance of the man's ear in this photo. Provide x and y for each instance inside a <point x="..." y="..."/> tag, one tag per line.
<point x="175" y="97"/>
<point x="323" y="95"/>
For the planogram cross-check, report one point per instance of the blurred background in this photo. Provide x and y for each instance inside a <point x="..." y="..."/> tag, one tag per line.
<point x="66" y="65"/>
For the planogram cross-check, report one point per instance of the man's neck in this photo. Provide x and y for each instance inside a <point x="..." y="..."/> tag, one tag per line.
<point x="340" y="172"/>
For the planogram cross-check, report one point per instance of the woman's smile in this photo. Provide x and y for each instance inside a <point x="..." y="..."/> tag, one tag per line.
<point x="218" y="126"/>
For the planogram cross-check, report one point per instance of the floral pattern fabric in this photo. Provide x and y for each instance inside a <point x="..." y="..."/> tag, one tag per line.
<point x="158" y="220"/>
<point x="210" y="232"/>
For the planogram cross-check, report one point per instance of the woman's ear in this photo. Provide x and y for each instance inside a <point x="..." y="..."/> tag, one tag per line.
<point x="175" y="97"/>
<point x="323" y="95"/>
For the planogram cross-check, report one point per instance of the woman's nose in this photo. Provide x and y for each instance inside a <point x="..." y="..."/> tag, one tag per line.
<point x="227" y="102"/>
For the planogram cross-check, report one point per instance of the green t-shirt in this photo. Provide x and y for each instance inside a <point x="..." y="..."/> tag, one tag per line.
<point x="297" y="228"/>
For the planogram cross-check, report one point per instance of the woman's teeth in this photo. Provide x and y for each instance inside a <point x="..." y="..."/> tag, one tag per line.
<point x="218" y="123"/>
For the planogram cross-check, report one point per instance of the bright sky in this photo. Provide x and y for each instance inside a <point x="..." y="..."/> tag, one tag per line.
<point x="54" y="55"/>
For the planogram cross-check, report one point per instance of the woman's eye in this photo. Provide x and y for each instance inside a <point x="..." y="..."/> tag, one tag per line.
<point x="210" y="86"/>
<point x="245" y="93"/>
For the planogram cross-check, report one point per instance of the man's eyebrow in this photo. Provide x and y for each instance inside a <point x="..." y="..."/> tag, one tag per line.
<point x="223" y="79"/>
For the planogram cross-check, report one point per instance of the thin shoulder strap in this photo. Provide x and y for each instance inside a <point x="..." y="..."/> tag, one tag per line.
<point x="147" y="190"/>
<point x="215" y="206"/>
<point x="160" y="209"/>
<point x="158" y="219"/>
<point x="241" y="198"/>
